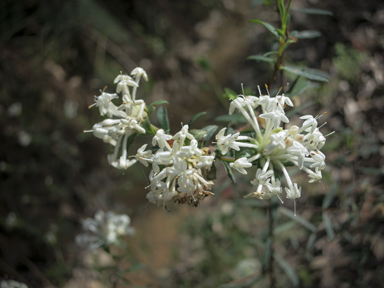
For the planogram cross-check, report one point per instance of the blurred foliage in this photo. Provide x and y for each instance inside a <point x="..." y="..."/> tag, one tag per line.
<point x="55" y="55"/>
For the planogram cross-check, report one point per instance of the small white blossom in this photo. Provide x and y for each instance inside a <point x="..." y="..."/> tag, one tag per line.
<point x="104" y="229"/>
<point x="12" y="284"/>
<point x="240" y="164"/>
<point x="161" y="139"/>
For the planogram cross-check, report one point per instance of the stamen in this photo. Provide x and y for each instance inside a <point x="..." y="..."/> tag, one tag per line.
<point x="329" y="134"/>
<point x="258" y="87"/>
<point x="242" y="88"/>
<point x="266" y="87"/>
<point x="322" y="125"/>
<point x="279" y="91"/>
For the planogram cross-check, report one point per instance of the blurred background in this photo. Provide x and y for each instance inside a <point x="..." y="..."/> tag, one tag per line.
<point x="56" y="55"/>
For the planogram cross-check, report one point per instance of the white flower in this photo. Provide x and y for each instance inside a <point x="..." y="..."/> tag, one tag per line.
<point x="138" y="72"/>
<point x="284" y="100"/>
<point x="12" y="284"/>
<point x="226" y="142"/>
<point x="309" y="122"/>
<point x="300" y="151"/>
<point x="276" y="116"/>
<point x="293" y="192"/>
<point x="161" y="139"/>
<point x="104" y="229"/>
<point x="319" y="159"/>
<point x="314" y="176"/>
<point x="103" y="102"/>
<point x="143" y="156"/>
<point x="240" y="164"/>
<point x="205" y="162"/>
<point x="277" y="141"/>
<point x="182" y="134"/>
<point x="123" y="81"/>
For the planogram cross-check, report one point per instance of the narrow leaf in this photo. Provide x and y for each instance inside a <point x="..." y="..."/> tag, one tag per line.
<point x="210" y="129"/>
<point x="234" y="118"/>
<point x="329" y="197"/>
<point x="306" y="34"/>
<point x="131" y="140"/>
<point x="298" y="88"/>
<point x="195" y="117"/>
<point x="256" y="3"/>
<point x="298" y="109"/>
<point x="260" y="58"/>
<point x="151" y="108"/>
<point x="162" y="116"/>
<point x="268" y="250"/>
<point x="328" y="226"/>
<point x="198" y="134"/>
<point x="149" y="129"/>
<point x="289" y="271"/>
<point x="229" y="94"/>
<point x="311" y="241"/>
<point x="313" y="11"/>
<point x="267" y="25"/>
<point x="298" y="219"/>
<point x="229" y="171"/>
<point x="309" y="73"/>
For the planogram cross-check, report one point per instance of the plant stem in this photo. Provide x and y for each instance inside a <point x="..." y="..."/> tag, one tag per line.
<point x="271" y="222"/>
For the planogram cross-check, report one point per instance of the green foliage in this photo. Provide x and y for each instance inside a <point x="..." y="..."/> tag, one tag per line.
<point x="309" y="73"/>
<point x="162" y="117"/>
<point x="151" y="108"/>
<point x="195" y="117"/>
<point x="348" y="61"/>
<point x="210" y="129"/>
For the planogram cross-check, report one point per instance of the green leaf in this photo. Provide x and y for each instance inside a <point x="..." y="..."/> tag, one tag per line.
<point x="151" y="108"/>
<point x="311" y="241"/>
<point x="229" y="94"/>
<point x="198" y="134"/>
<point x="130" y="140"/>
<point x="298" y="219"/>
<point x="298" y="109"/>
<point x="204" y="63"/>
<point x="306" y="34"/>
<point x="229" y="171"/>
<point x="313" y="11"/>
<point x="267" y="25"/>
<point x="298" y="88"/>
<point x="283" y="227"/>
<point x="210" y="129"/>
<point x="247" y="152"/>
<point x="260" y="58"/>
<point x="270" y="53"/>
<point x="149" y="128"/>
<point x="268" y="250"/>
<point x="162" y="116"/>
<point x="309" y="73"/>
<point x="329" y="197"/>
<point x="211" y="173"/>
<point x="328" y="226"/>
<point x="256" y="3"/>
<point x="289" y="271"/>
<point x="234" y="118"/>
<point x="195" y="117"/>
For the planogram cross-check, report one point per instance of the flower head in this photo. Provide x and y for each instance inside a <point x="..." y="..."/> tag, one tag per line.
<point x="104" y="229"/>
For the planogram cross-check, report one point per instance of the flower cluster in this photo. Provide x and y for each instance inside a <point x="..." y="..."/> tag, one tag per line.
<point x="124" y="120"/>
<point x="12" y="284"/>
<point x="179" y="163"/>
<point x="273" y="147"/>
<point x="177" y="168"/>
<point x="104" y="230"/>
